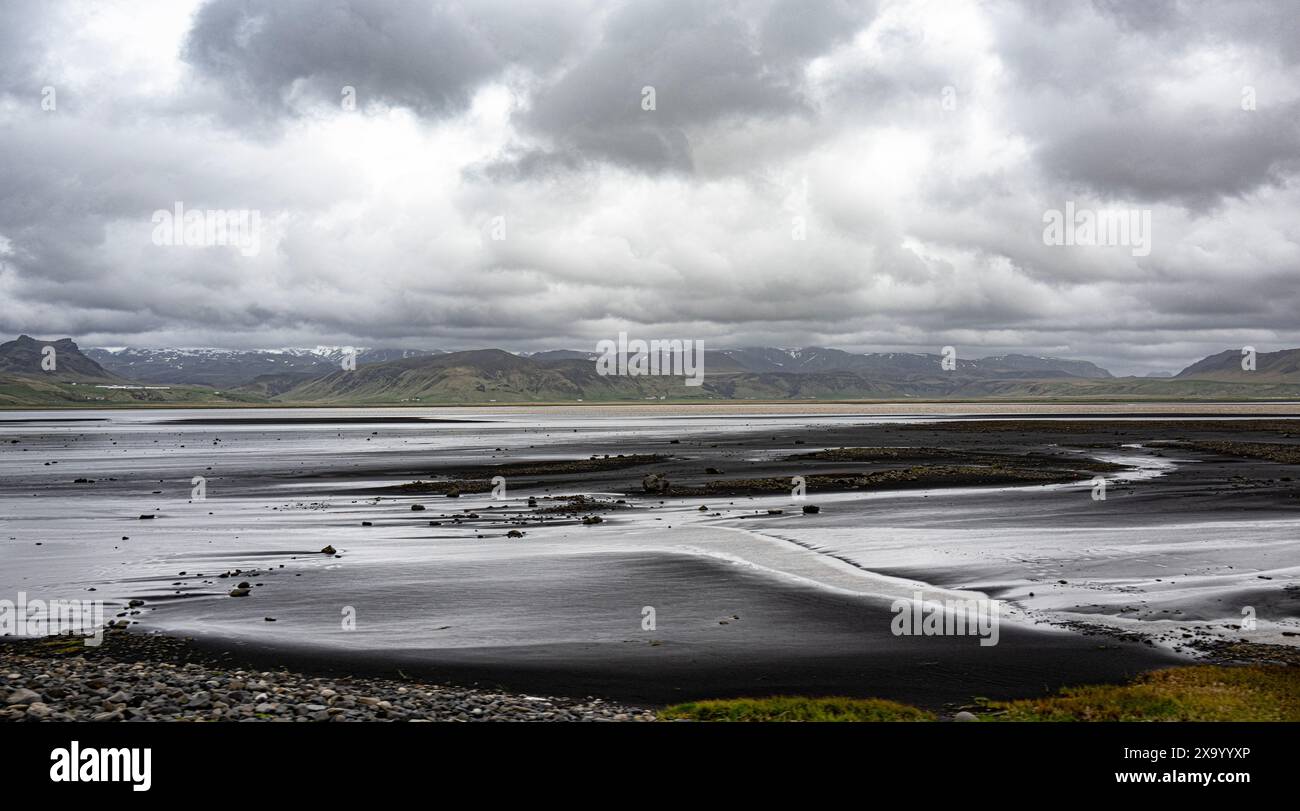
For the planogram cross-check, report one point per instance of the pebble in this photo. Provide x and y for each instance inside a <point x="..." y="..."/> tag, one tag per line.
<point x="137" y="677"/>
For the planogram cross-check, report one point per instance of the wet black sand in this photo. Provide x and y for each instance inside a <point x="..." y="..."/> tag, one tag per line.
<point x="787" y="640"/>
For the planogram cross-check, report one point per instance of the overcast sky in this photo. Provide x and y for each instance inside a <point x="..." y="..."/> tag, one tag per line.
<point x="917" y="144"/>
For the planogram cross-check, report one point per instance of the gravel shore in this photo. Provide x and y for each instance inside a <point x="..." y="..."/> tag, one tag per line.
<point x="133" y="677"/>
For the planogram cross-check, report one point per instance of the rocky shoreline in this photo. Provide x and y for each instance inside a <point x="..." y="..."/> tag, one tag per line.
<point x="138" y="677"/>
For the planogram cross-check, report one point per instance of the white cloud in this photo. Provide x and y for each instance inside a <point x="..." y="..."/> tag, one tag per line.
<point x="923" y="223"/>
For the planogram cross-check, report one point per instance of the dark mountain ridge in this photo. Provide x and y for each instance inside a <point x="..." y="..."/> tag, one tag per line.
<point x="492" y="375"/>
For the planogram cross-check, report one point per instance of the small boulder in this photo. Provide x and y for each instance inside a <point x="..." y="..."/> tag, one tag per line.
<point x="23" y="696"/>
<point x="655" y="483"/>
<point x="329" y="550"/>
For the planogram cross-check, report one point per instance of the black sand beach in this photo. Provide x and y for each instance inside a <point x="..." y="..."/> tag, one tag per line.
<point x="448" y="597"/>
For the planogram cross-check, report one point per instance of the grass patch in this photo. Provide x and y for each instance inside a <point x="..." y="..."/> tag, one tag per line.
<point x="1201" y="693"/>
<point x="793" y="708"/>
<point x="1198" y="693"/>
<point x="62" y="645"/>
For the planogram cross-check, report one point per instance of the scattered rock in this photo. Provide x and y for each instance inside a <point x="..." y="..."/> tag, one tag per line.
<point x="655" y="483"/>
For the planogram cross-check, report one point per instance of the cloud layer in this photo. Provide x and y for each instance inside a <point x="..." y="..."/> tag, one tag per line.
<point x="452" y="175"/>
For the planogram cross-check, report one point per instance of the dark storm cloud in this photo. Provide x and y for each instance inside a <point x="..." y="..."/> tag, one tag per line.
<point x="1196" y="158"/>
<point x="430" y="57"/>
<point x="706" y="63"/>
<point x="1097" y="101"/>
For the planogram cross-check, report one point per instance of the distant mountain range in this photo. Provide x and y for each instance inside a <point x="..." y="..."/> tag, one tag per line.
<point x="901" y="365"/>
<point x="1272" y="367"/>
<point x="224" y="368"/>
<point x="391" y="376"/>
<point x="883" y="365"/>
<point x="75" y="379"/>
<point x="229" y="368"/>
